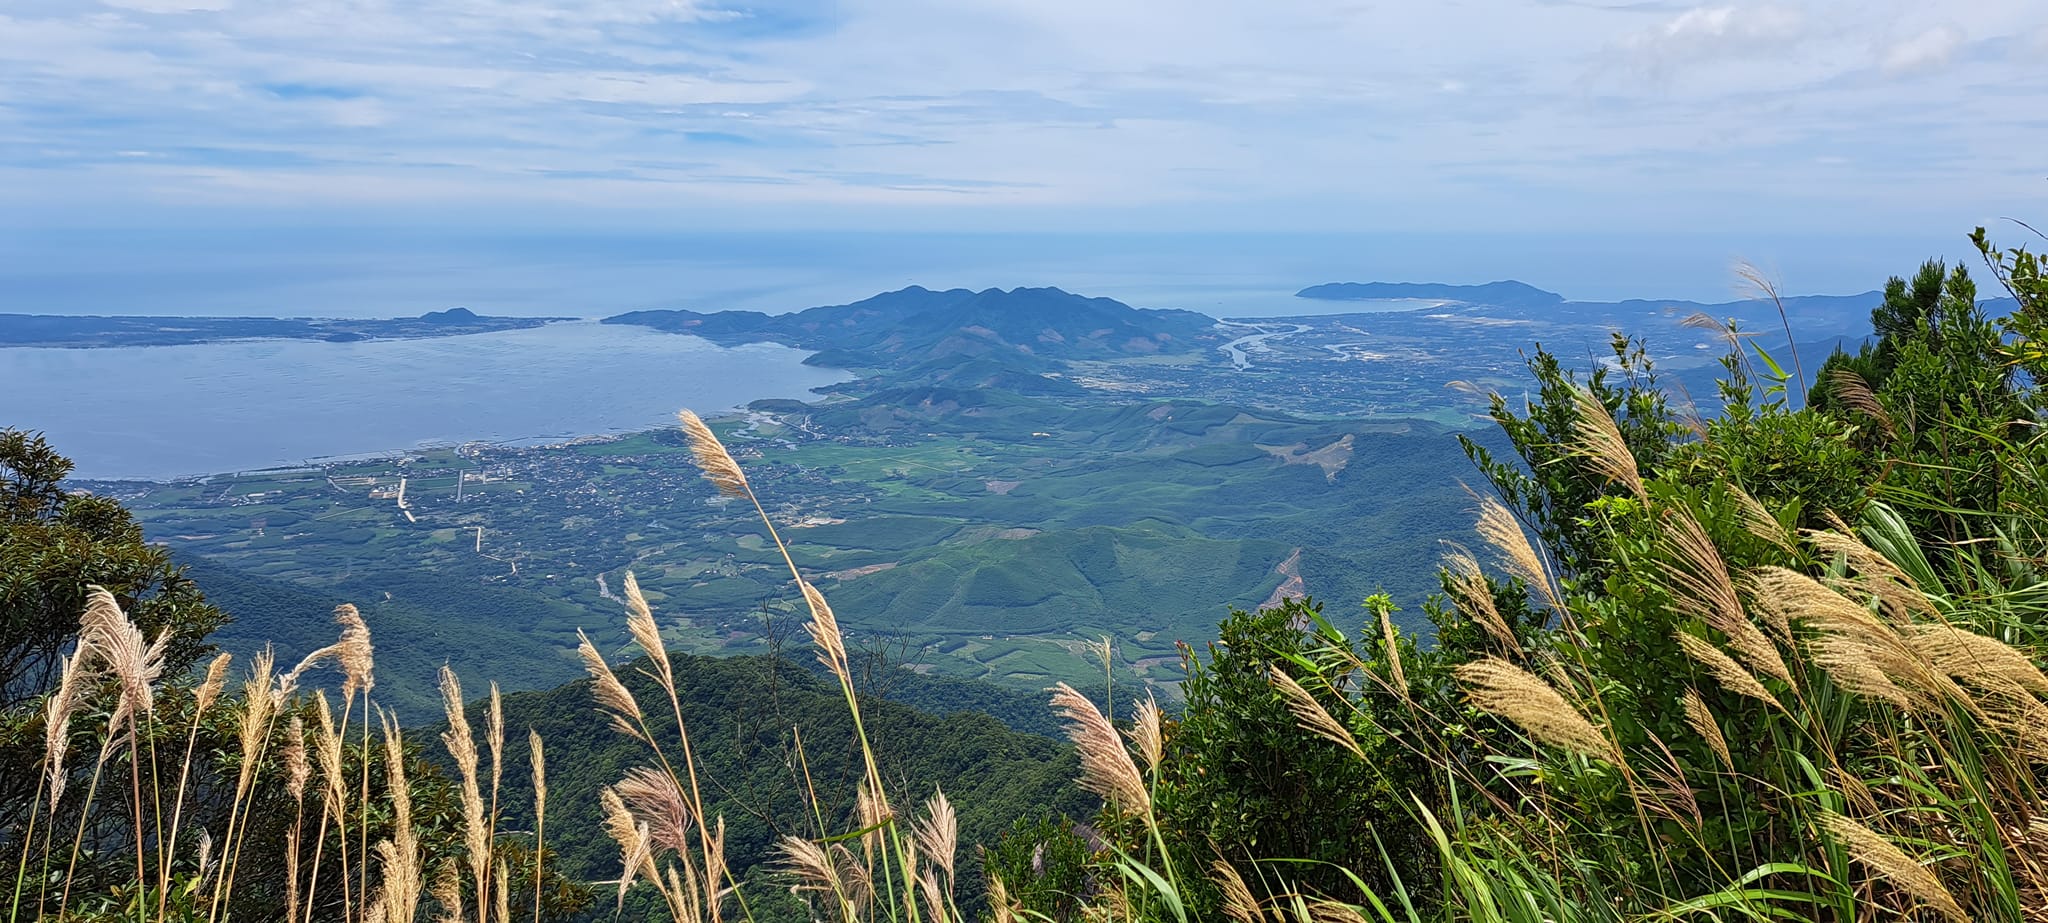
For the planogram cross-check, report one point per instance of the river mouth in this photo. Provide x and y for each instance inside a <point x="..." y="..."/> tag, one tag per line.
<point x="1239" y="350"/>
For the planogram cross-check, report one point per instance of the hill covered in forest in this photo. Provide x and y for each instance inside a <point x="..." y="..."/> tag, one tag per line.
<point x="1026" y="327"/>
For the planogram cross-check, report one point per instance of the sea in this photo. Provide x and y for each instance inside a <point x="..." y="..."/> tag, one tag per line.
<point x="163" y="412"/>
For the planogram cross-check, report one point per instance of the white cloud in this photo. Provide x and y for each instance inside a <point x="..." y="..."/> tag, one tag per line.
<point x="1926" y="50"/>
<point x="1707" y="32"/>
<point x="1390" y="112"/>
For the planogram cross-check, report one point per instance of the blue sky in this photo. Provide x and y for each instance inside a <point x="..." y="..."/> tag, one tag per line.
<point x="1475" y="115"/>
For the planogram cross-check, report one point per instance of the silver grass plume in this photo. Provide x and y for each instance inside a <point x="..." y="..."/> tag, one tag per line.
<point x="938" y="833"/>
<point x="1702" y="721"/>
<point x="399" y="855"/>
<point x="1474" y="596"/>
<point x="1499" y="529"/>
<point x="1106" y="767"/>
<point x="612" y="696"/>
<point x="461" y="744"/>
<point x="1500" y="688"/>
<point x="660" y="805"/>
<point x="1724" y="669"/>
<point x="130" y="656"/>
<point x="1148" y="732"/>
<point x="712" y="458"/>
<point x="1703" y="588"/>
<point x="1888" y="862"/>
<point x="1596" y="438"/>
<point x="1310" y="713"/>
<point x="57" y="713"/>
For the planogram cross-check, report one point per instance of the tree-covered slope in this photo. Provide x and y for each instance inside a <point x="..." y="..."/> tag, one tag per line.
<point x="746" y="716"/>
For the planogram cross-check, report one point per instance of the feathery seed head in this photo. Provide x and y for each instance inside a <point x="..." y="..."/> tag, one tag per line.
<point x="209" y="689"/>
<point x="1474" y="596"/>
<point x="1238" y="903"/>
<point x="57" y="720"/>
<point x="1502" y="689"/>
<point x="1702" y="721"/>
<point x="646" y="633"/>
<point x="938" y="834"/>
<point x="297" y="768"/>
<point x="1498" y="528"/>
<point x="1148" y="731"/>
<point x="130" y="656"/>
<point x="712" y="458"/>
<point x="1887" y="862"/>
<point x="612" y="696"/>
<point x="1702" y="587"/>
<point x="1310" y="714"/>
<point x="824" y="631"/>
<point x="1854" y="392"/>
<point x="1724" y="669"/>
<point x="355" y="652"/>
<point x="660" y="806"/>
<point x="1757" y="520"/>
<point x="1596" y="438"/>
<point x="1106" y="767"/>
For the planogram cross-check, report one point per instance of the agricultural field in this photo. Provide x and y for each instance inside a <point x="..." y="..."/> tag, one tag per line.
<point x="992" y="547"/>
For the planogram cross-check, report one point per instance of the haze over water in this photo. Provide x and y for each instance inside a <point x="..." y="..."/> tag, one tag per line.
<point x="165" y="411"/>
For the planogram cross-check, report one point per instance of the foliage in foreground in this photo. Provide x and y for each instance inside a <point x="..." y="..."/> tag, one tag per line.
<point x="1777" y="665"/>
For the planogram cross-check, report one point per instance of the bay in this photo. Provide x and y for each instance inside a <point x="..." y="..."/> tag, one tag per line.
<point x="168" y="411"/>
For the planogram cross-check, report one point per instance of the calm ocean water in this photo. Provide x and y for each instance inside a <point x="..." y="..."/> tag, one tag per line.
<point x="166" y="411"/>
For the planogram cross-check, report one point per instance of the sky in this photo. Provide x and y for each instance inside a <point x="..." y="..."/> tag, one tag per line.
<point x="1470" y="115"/>
<point x="367" y="157"/>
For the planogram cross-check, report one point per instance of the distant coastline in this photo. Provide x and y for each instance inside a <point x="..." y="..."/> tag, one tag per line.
<point x="52" y="331"/>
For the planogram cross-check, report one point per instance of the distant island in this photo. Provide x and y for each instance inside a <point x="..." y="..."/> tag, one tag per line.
<point x="1017" y="340"/>
<point x="50" y="330"/>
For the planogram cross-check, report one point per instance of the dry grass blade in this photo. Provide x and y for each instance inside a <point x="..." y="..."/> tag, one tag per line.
<point x="1504" y="690"/>
<point x="717" y="464"/>
<point x="1498" y="528"/>
<point x="1148" y="732"/>
<point x="1597" y="439"/>
<point x="1106" y="767"/>
<point x="1391" y="642"/>
<point x="1889" y="863"/>
<point x="1854" y="393"/>
<point x="1310" y="713"/>
<point x="1725" y="670"/>
<point x="1704" y="589"/>
<point x="1702" y="721"/>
